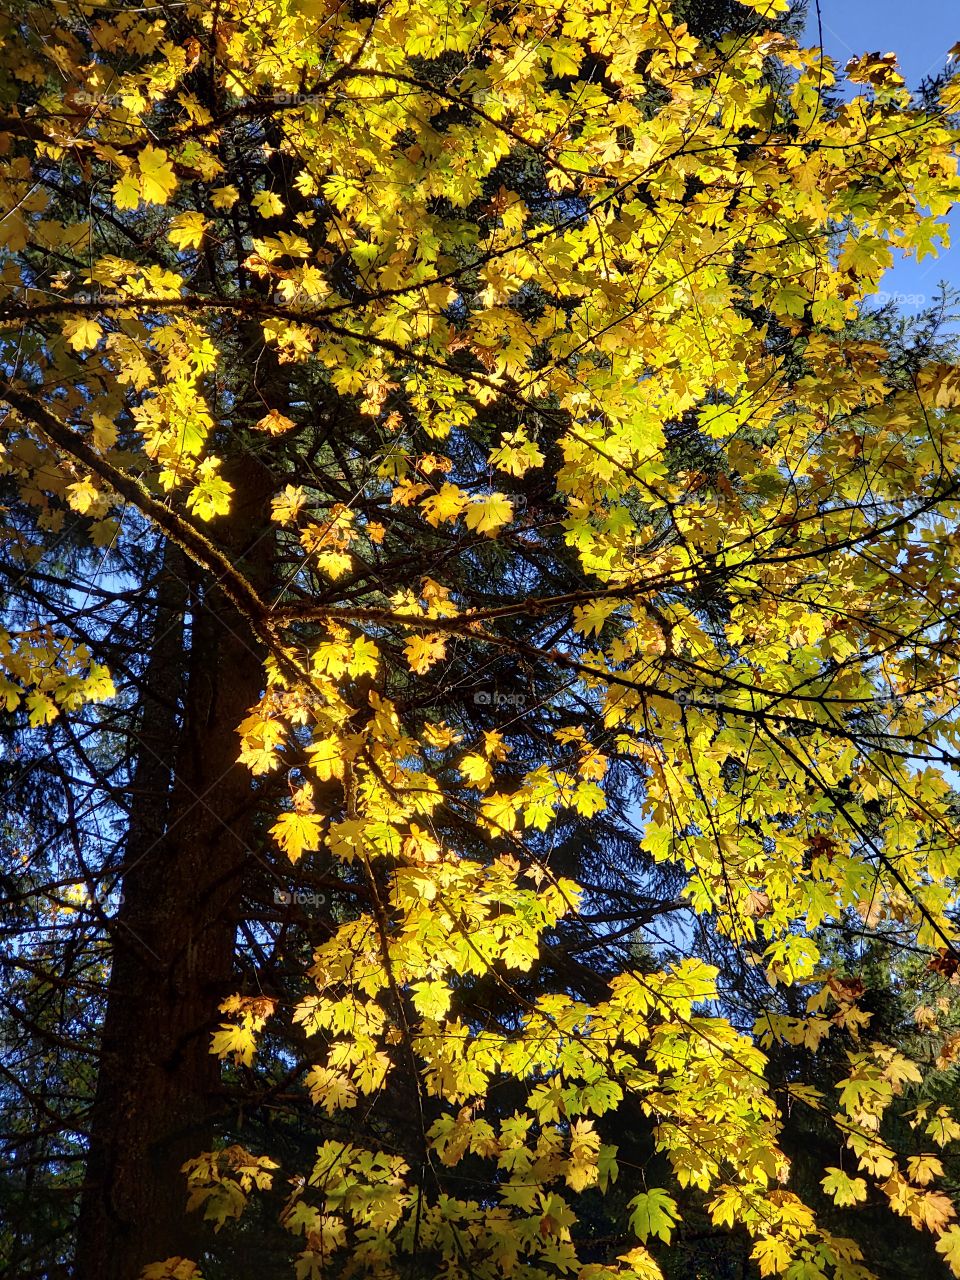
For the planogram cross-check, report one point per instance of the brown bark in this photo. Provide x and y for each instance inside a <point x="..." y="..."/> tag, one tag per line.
<point x="174" y="948"/>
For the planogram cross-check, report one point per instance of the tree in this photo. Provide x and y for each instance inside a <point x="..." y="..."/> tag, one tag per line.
<point x="478" y="390"/>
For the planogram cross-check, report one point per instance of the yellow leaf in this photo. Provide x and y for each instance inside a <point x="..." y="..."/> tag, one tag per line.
<point x="439" y="735"/>
<point x="500" y="810"/>
<point x="331" y="1090"/>
<point x="326" y="758"/>
<point x="82" y="333"/>
<point x="211" y="495"/>
<point x="476" y="770"/>
<point x="588" y="798"/>
<point x="772" y="1254"/>
<point x="334" y="563"/>
<point x="42" y="709"/>
<point x="275" y="423"/>
<point x="187" y="230"/>
<point x="346" y="838"/>
<point x="487" y="515"/>
<point x="423" y="651"/>
<point x="365" y="658"/>
<point x="82" y="495"/>
<point x="237" y="1040"/>
<point x="104" y="532"/>
<point x="297" y="833"/>
<point x="286" y="506"/>
<point x="99" y="686"/>
<point x="642" y="1264"/>
<point x="104" y="434"/>
<point x="924" y="1168"/>
<point x="431" y="998"/>
<point x="446" y="504"/>
<point x="268" y="204"/>
<point x="126" y="191"/>
<point x="949" y="1247"/>
<point x="516" y="455"/>
<point x="157" y="179"/>
<point x="172" y="1269"/>
<point x="931" y="1209"/>
<point x="589" y="619"/>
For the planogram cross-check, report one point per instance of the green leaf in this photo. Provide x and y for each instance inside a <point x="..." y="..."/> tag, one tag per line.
<point x="654" y="1213"/>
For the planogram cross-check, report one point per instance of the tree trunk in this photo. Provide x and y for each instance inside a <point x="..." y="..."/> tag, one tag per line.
<point x="188" y="841"/>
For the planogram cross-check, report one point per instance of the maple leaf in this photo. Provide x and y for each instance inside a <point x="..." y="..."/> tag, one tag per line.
<point x="556" y="1217"/>
<point x="236" y="1040"/>
<point x="772" y="1255"/>
<point x="488" y="515"/>
<point x="275" y="423"/>
<point x="516" y="455"/>
<point x="446" y="504"/>
<point x="42" y="709"/>
<point x="82" y="495"/>
<point x="866" y="255"/>
<point x="331" y="1090"/>
<point x="364" y="658"/>
<point x="924" y="1168"/>
<point x="187" y="230"/>
<point x="501" y="810"/>
<point x="334" y="563"/>
<point x="654" y="1213"/>
<point x="286" y="506"/>
<point x="844" y="1189"/>
<point x="175" y="1268"/>
<point x="931" y="1209"/>
<point x="423" y="651"/>
<point x="476" y="769"/>
<point x="642" y="1264"/>
<point x="126" y="191"/>
<point x="757" y="903"/>
<point x="431" y="998"/>
<point x="589" y="619"/>
<point x="211" y="495"/>
<point x="948" y="1246"/>
<point x="82" y="333"/>
<point x="268" y="204"/>
<point x="588" y="798"/>
<point x="157" y="178"/>
<point x="296" y="833"/>
<point x="104" y="433"/>
<point x="346" y="839"/>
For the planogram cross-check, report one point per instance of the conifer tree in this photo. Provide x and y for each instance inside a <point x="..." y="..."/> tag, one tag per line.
<point x="467" y="406"/>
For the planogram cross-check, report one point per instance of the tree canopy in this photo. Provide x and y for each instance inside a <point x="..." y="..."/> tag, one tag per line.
<point x="480" y="624"/>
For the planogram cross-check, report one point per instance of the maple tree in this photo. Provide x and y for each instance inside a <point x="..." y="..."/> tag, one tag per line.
<point x="474" y="398"/>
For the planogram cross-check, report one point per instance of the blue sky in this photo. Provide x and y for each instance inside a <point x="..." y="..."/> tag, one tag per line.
<point x="920" y="32"/>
